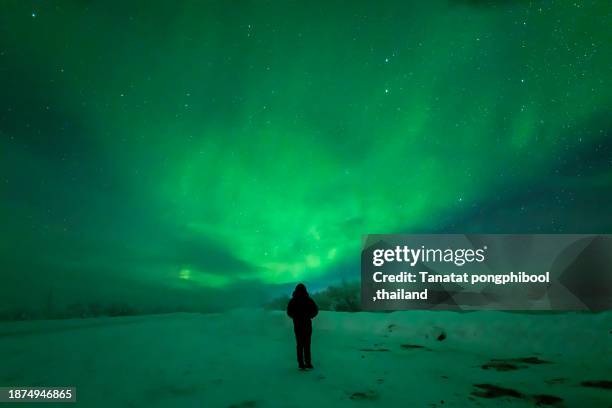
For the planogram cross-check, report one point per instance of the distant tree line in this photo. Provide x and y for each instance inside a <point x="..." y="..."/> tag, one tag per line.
<point x="86" y="310"/>
<point x="344" y="297"/>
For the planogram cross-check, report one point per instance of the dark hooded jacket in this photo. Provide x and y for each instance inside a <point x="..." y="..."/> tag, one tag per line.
<point x="301" y="307"/>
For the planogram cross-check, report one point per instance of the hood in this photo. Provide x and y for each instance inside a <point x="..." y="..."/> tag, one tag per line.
<point x="300" y="291"/>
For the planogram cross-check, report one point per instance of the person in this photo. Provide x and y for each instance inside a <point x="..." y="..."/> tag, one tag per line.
<point x="302" y="309"/>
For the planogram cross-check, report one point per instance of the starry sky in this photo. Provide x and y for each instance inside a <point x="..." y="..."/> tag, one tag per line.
<point x="222" y="151"/>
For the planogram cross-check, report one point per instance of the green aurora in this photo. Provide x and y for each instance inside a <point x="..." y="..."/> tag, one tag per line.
<point x="201" y="146"/>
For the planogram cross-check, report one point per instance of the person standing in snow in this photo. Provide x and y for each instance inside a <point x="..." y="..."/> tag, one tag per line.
<point x="302" y="309"/>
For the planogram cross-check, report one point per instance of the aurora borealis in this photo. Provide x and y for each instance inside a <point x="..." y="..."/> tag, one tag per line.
<point x="172" y="147"/>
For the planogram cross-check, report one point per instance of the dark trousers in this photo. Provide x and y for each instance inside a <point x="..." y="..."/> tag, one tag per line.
<point x="303" y="333"/>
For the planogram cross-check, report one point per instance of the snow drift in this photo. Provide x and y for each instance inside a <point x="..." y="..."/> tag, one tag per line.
<point x="245" y="358"/>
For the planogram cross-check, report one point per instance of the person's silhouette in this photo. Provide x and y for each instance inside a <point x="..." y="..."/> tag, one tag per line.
<point x="302" y="309"/>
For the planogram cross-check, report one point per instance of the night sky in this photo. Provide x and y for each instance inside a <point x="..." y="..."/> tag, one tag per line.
<point x="161" y="151"/>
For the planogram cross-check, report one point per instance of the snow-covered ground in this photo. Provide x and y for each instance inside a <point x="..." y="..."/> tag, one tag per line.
<point x="246" y="358"/>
